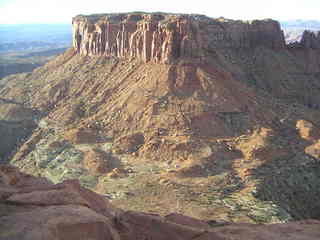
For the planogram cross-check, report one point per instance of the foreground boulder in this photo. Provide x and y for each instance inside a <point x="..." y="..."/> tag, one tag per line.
<point x="33" y="208"/>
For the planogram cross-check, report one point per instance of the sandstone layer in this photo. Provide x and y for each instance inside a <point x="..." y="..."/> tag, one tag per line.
<point x="310" y="40"/>
<point x="218" y="119"/>
<point x="33" y="208"/>
<point x="165" y="37"/>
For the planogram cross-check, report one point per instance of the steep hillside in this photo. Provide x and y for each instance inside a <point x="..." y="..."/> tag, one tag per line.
<point x="212" y="118"/>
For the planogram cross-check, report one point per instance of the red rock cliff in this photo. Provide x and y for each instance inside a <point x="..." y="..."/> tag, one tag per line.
<point x="164" y="37"/>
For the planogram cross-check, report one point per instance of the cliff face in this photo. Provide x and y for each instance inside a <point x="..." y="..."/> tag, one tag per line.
<point x="310" y="40"/>
<point x="163" y="37"/>
<point x="223" y="113"/>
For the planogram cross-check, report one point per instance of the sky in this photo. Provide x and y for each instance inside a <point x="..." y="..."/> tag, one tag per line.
<point x="62" y="11"/>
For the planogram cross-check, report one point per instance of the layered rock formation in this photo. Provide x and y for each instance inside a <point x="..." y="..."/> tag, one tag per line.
<point x="32" y="208"/>
<point x="211" y="134"/>
<point x="165" y="37"/>
<point x="307" y="40"/>
<point x="310" y="40"/>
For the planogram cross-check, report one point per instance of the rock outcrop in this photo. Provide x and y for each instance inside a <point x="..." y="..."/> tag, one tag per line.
<point x="33" y="208"/>
<point x="307" y="40"/>
<point x="209" y="135"/>
<point x="310" y="40"/>
<point x="165" y="37"/>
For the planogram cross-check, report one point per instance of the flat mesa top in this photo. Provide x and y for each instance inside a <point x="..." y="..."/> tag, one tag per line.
<point x="158" y="16"/>
<point x="138" y="16"/>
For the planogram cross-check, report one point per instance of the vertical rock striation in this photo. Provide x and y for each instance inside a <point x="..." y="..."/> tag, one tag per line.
<point x="310" y="40"/>
<point x="163" y="37"/>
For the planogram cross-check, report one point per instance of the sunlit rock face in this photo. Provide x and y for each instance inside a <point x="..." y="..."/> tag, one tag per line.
<point x="165" y="37"/>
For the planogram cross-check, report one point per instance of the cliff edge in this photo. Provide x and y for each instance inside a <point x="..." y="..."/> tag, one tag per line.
<point x="165" y="37"/>
<point x="211" y="134"/>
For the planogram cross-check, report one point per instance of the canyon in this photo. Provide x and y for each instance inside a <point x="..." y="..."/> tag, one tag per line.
<point x="213" y="119"/>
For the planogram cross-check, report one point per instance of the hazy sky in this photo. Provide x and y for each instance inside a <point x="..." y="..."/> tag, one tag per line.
<point x="61" y="11"/>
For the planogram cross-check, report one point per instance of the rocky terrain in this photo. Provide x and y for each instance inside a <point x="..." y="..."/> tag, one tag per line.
<point x="164" y="38"/>
<point x="33" y="208"/>
<point x="160" y="113"/>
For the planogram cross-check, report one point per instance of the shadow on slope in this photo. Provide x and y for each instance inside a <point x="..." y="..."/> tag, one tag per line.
<point x="292" y="181"/>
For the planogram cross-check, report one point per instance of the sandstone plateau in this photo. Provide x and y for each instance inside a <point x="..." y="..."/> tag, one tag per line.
<point x="164" y="38"/>
<point x="209" y="118"/>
